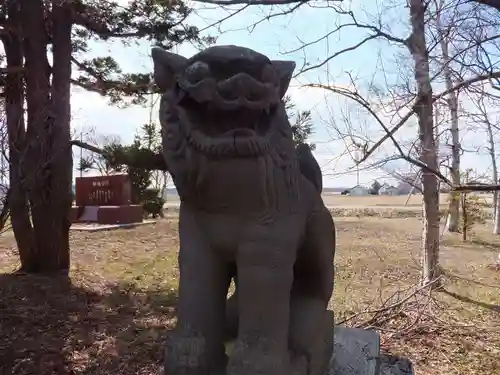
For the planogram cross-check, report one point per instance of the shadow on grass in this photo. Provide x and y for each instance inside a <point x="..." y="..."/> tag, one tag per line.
<point x="485" y="305"/>
<point x="486" y="244"/>
<point x="475" y="244"/>
<point x="50" y="326"/>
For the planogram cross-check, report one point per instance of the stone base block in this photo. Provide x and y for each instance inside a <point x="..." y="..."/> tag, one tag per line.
<point x="107" y="215"/>
<point x="73" y="214"/>
<point x="357" y="352"/>
<point x="119" y="214"/>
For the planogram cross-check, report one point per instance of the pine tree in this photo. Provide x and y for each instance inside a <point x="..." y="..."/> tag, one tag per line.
<point x="301" y="121"/>
<point x="35" y="33"/>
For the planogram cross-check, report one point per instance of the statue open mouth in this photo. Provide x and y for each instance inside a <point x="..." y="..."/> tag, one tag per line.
<point x="240" y="132"/>
<point x="226" y="97"/>
<point x="228" y="122"/>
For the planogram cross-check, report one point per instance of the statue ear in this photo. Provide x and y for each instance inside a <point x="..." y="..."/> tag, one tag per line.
<point x="166" y="66"/>
<point x="284" y="69"/>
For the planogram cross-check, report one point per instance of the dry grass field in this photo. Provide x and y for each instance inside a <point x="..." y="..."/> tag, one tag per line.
<point x="372" y="201"/>
<point x="113" y="315"/>
<point x="399" y="201"/>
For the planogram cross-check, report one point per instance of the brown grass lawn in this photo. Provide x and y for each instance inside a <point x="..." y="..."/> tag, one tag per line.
<point x="113" y="315"/>
<point x="380" y="201"/>
<point x="414" y="202"/>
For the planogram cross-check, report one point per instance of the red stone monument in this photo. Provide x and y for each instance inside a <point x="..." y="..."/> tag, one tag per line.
<point x="105" y="200"/>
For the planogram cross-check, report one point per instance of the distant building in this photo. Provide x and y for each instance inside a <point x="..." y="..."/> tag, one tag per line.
<point x="359" y="190"/>
<point x="479" y="183"/>
<point x="405" y="188"/>
<point x="388" y="190"/>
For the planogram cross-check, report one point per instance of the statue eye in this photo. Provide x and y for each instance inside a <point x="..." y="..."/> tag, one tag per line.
<point x="268" y="74"/>
<point x="197" y="71"/>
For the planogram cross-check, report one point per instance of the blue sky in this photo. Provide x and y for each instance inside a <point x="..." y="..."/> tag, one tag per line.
<point x="375" y="62"/>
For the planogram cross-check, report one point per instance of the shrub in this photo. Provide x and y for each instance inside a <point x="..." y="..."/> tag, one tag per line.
<point x="152" y="203"/>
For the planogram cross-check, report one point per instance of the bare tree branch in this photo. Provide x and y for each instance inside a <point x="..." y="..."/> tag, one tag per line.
<point x="253" y="2"/>
<point x="492" y="3"/>
<point x="355" y="96"/>
<point x="375" y="33"/>
<point x="410" y="113"/>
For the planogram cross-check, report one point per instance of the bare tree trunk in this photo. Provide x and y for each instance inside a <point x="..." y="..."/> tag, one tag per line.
<point x="437" y="140"/>
<point x="14" y="108"/>
<point x="38" y="115"/>
<point x="452" y="222"/>
<point x="496" y="201"/>
<point x="465" y="218"/>
<point x="61" y="192"/>
<point x="164" y="183"/>
<point x="418" y="49"/>
<point x="49" y="156"/>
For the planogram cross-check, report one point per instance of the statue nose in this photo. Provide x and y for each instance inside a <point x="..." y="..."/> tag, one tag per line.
<point x="242" y="86"/>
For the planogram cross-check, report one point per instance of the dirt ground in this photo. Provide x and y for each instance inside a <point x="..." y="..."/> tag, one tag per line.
<point x="112" y="317"/>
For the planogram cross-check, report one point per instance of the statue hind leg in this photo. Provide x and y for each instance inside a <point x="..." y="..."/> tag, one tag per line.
<point x="311" y="324"/>
<point x="311" y="334"/>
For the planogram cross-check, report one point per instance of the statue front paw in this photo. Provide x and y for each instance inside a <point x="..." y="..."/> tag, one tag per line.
<point x="185" y="355"/>
<point x="245" y="360"/>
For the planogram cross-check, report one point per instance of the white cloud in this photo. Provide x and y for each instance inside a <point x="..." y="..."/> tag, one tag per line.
<point x="307" y="98"/>
<point x="90" y="110"/>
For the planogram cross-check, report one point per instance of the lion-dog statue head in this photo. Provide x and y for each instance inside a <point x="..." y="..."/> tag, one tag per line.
<point x="223" y="103"/>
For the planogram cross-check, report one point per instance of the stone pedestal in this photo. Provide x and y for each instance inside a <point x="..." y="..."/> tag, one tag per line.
<point x="105" y="200"/>
<point x="119" y="214"/>
<point x="107" y="214"/>
<point x="357" y="352"/>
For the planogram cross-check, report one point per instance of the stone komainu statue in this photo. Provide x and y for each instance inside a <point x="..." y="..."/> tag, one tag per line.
<point x="250" y="210"/>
